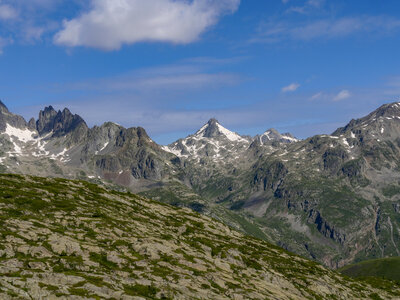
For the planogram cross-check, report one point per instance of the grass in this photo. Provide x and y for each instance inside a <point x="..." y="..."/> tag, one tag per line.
<point x="385" y="268"/>
<point x="141" y="290"/>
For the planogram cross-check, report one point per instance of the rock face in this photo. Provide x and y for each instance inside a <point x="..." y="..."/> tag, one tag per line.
<point x="76" y="240"/>
<point x="333" y="198"/>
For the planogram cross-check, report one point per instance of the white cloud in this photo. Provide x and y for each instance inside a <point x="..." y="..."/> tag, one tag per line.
<point x="7" y="12"/>
<point x="111" y="23"/>
<point x="291" y="87"/>
<point x="344" y="94"/>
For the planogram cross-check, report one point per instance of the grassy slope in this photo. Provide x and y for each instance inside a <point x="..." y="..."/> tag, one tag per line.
<point x="65" y="238"/>
<point x="388" y="268"/>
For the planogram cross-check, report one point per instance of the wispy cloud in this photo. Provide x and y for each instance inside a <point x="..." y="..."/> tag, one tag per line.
<point x="308" y="7"/>
<point x="110" y="24"/>
<point x="3" y="43"/>
<point x="272" y="31"/>
<point x="291" y="87"/>
<point x="23" y="21"/>
<point x="170" y="82"/>
<point x="317" y="96"/>
<point x="342" y="95"/>
<point x="7" y="12"/>
<point x="183" y="76"/>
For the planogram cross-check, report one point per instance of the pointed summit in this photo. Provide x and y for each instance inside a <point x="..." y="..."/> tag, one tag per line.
<point x="213" y="129"/>
<point x="212" y="141"/>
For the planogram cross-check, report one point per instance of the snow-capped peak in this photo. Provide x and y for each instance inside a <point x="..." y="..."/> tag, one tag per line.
<point x="213" y="129"/>
<point x="211" y="140"/>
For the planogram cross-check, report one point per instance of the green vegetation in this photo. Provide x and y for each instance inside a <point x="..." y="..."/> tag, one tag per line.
<point x="391" y="190"/>
<point x="385" y="268"/>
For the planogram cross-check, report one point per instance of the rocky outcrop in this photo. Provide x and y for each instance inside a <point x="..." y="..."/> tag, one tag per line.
<point x="269" y="176"/>
<point x="326" y="229"/>
<point x="333" y="159"/>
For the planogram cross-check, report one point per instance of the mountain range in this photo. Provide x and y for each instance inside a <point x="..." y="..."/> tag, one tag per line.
<point x="332" y="198"/>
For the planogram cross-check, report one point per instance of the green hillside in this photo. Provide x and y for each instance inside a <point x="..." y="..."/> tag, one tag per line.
<point x="387" y="268"/>
<point x="73" y="239"/>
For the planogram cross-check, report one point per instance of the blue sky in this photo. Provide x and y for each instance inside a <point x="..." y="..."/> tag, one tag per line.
<point x="303" y="66"/>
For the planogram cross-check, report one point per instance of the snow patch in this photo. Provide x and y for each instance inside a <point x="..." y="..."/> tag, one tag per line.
<point x="104" y="147"/>
<point x="172" y="150"/>
<point x="345" y="142"/>
<point x="232" y="136"/>
<point x="23" y="135"/>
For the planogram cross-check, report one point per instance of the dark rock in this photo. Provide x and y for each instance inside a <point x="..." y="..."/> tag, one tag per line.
<point x="60" y="123"/>
<point x="325" y="228"/>
<point x="32" y="124"/>
<point x="270" y="176"/>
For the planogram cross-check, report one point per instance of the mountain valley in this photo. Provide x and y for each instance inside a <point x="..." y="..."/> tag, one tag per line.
<point x="331" y="198"/>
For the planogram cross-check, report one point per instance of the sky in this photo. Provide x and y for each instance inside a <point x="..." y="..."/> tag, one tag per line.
<point x="300" y="66"/>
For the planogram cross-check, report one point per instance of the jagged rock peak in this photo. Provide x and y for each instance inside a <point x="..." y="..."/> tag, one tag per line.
<point x="46" y="120"/>
<point x="61" y="122"/>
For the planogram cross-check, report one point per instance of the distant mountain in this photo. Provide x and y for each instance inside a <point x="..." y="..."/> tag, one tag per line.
<point x="333" y="198"/>
<point x="212" y="141"/>
<point x="61" y="144"/>
<point x="222" y="145"/>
